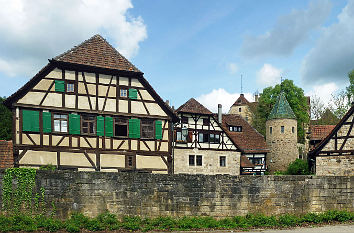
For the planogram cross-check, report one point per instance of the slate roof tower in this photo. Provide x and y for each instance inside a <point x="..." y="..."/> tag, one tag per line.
<point x="281" y="135"/>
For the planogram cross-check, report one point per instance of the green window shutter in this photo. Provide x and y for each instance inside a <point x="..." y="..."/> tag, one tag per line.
<point x="133" y="94"/>
<point x="100" y="126"/>
<point x="134" y="128"/>
<point x="59" y="86"/>
<point x="30" y="120"/>
<point x="47" y="122"/>
<point x="158" y="129"/>
<point x="74" y="124"/>
<point x="109" y="126"/>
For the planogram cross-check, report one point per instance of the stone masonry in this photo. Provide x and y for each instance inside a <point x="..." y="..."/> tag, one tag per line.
<point x="283" y="146"/>
<point x="335" y="165"/>
<point x="152" y="195"/>
<point x="6" y="154"/>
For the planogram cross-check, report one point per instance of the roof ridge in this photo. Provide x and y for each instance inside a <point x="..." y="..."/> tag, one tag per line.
<point x="109" y="57"/>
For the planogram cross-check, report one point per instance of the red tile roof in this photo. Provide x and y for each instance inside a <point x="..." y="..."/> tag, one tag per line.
<point x="245" y="162"/>
<point x="97" y="52"/>
<point x="193" y="106"/>
<point x="249" y="140"/>
<point x="319" y="132"/>
<point x="241" y="100"/>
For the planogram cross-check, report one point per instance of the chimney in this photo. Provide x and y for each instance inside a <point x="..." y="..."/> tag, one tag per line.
<point x="242" y="95"/>
<point x="167" y="102"/>
<point x="220" y="113"/>
<point x="256" y="98"/>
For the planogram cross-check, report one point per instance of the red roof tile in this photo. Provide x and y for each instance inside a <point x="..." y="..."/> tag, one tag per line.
<point x="249" y="140"/>
<point x="241" y="100"/>
<point x="193" y="106"/>
<point x="97" y="52"/>
<point x="319" y="132"/>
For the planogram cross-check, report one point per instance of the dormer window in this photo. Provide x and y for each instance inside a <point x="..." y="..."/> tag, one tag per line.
<point x="235" y="128"/>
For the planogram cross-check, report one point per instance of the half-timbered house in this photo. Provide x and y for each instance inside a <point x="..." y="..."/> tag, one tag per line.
<point x="334" y="155"/>
<point x="201" y="145"/>
<point x="91" y="109"/>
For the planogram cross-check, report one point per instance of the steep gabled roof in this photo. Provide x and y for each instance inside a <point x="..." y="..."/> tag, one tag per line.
<point x="323" y="143"/>
<point x="249" y="140"/>
<point x="281" y="109"/>
<point x="193" y="106"/>
<point x="241" y="100"/>
<point x="97" y="52"/>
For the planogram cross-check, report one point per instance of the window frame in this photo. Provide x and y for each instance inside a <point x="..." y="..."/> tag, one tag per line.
<point x="60" y="119"/>
<point x="126" y="93"/>
<point x="94" y="121"/>
<point x="144" y="124"/>
<point x="199" y="160"/>
<point x="115" y="122"/>
<point x="67" y="83"/>
<point x="282" y="129"/>
<point x="222" y="161"/>
<point x="191" y="160"/>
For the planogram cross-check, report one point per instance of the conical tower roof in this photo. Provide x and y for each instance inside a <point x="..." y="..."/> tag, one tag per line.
<point x="281" y="109"/>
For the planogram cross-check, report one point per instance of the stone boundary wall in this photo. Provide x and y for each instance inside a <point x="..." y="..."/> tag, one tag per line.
<point x="339" y="165"/>
<point x="152" y="195"/>
<point x="6" y="154"/>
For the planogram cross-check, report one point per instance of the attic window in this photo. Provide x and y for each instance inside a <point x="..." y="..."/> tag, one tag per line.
<point x="235" y="128"/>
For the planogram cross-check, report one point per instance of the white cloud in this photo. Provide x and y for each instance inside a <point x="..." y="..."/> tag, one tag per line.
<point x="333" y="55"/>
<point x="33" y="31"/>
<point x="220" y="96"/>
<point x="233" y="67"/>
<point x="324" y="92"/>
<point x="288" y="32"/>
<point x="268" y="75"/>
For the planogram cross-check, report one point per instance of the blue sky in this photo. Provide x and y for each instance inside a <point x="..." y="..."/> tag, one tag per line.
<point x="190" y="48"/>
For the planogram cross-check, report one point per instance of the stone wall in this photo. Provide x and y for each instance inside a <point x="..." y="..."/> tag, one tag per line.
<point x="335" y="165"/>
<point x="151" y="195"/>
<point x="283" y="146"/>
<point x="210" y="162"/>
<point x="6" y="154"/>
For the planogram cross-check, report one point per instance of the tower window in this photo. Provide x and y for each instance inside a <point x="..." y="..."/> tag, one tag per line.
<point x="293" y="129"/>
<point x="239" y="109"/>
<point x="270" y="130"/>
<point x="282" y="129"/>
<point x="222" y="161"/>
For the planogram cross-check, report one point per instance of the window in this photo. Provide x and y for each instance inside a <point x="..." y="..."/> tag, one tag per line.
<point x="180" y="137"/>
<point x="270" y="130"/>
<point x="205" y="137"/>
<point x="206" y="121"/>
<point x="222" y="161"/>
<point x="70" y="87"/>
<point x="293" y="129"/>
<point x="191" y="160"/>
<point x="257" y="161"/>
<point x="235" y="128"/>
<point x="60" y="123"/>
<point x="282" y="129"/>
<point x="120" y="127"/>
<point x="239" y="109"/>
<point x="123" y="93"/>
<point x="184" y="120"/>
<point x="130" y="161"/>
<point x="147" y="128"/>
<point x="88" y="125"/>
<point x="199" y="160"/>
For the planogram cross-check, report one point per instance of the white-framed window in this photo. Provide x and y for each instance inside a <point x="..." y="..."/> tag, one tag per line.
<point x="235" y="128"/>
<point x="195" y="160"/>
<point x="60" y="123"/>
<point x="123" y="92"/>
<point x="70" y="87"/>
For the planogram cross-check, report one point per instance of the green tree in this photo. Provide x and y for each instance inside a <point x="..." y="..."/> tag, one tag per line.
<point x="297" y="101"/>
<point x="5" y="121"/>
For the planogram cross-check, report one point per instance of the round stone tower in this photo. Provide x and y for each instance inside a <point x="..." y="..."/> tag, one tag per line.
<point x="281" y="136"/>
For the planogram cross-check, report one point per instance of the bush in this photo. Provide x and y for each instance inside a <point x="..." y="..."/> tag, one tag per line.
<point x="288" y="220"/>
<point x="298" y="167"/>
<point x="48" y="167"/>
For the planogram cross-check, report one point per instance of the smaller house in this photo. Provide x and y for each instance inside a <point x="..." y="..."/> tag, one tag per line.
<point x="251" y="143"/>
<point x="318" y="133"/>
<point x="334" y="155"/>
